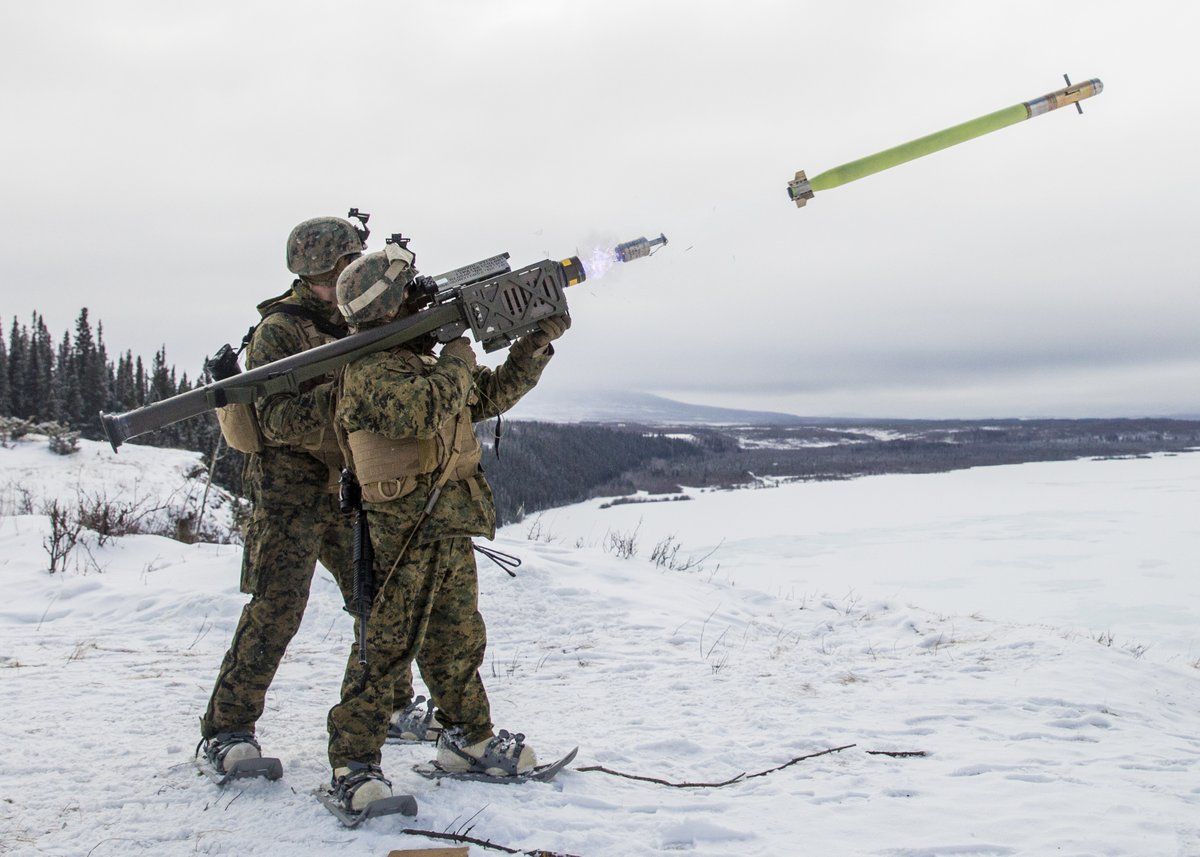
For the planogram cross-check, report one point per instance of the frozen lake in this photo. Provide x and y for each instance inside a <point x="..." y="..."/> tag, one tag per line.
<point x="1099" y="546"/>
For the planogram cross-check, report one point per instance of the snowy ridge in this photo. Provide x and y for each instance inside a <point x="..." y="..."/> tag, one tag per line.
<point x="161" y="486"/>
<point x="1038" y="740"/>
<point x="573" y="405"/>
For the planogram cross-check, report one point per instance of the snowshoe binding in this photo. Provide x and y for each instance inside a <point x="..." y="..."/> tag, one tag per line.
<point x="234" y="756"/>
<point x="504" y="758"/>
<point x="360" y="791"/>
<point x="416" y="724"/>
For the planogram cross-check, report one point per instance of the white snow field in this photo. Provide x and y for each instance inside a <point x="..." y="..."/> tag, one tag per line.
<point x="1039" y="740"/>
<point x="1097" y="546"/>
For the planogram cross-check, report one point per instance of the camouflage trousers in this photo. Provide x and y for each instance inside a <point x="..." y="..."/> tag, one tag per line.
<point x="283" y="545"/>
<point x="427" y="609"/>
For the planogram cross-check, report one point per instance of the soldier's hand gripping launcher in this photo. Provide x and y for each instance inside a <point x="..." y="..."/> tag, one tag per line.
<point x="488" y="299"/>
<point x="801" y="189"/>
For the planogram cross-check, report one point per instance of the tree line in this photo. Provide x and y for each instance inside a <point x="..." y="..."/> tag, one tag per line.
<point x="70" y="379"/>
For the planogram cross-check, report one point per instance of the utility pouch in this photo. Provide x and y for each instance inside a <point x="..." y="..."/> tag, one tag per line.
<point x="239" y="426"/>
<point x="239" y="423"/>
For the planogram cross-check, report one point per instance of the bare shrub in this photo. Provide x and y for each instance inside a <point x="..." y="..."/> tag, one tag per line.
<point x="1137" y="649"/>
<point x="175" y="516"/>
<point x="109" y="519"/>
<point x="623" y="545"/>
<point x="65" y="529"/>
<point x="537" y="532"/>
<point x="665" y="552"/>
<point x="666" y="555"/>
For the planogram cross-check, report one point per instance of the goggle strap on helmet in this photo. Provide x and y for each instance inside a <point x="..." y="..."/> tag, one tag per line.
<point x="398" y="253"/>
<point x="364" y="300"/>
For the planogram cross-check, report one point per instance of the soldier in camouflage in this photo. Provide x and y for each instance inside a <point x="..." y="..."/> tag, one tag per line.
<point x="407" y="420"/>
<point x="292" y="484"/>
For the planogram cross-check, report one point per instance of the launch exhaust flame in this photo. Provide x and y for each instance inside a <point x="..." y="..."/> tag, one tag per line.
<point x="603" y="258"/>
<point x="600" y="262"/>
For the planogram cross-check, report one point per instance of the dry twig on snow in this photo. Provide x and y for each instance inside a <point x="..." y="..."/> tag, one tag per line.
<point x="739" y="778"/>
<point x="482" y="843"/>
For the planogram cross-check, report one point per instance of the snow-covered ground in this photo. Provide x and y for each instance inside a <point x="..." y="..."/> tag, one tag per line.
<point x="156" y="488"/>
<point x="1038" y="739"/>
<point x="1094" y="546"/>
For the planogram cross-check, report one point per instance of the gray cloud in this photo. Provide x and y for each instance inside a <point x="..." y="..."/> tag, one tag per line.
<point x="157" y="155"/>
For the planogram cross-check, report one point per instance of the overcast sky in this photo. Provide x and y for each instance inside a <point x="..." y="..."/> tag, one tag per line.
<point x="156" y="156"/>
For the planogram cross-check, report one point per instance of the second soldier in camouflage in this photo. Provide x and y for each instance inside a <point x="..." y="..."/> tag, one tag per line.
<point x="407" y="418"/>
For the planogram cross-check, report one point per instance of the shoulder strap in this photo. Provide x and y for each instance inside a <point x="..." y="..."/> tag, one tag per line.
<point x="319" y="321"/>
<point x="267" y="308"/>
<point x="343" y="438"/>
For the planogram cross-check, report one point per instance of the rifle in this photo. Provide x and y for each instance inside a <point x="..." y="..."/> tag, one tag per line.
<point x="488" y="299"/>
<point x="362" y="589"/>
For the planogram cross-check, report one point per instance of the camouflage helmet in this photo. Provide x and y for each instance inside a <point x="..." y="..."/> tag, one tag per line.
<point x="373" y="287"/>
<point x="315" y="245"/>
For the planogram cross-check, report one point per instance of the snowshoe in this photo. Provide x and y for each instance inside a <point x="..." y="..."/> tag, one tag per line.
<point x="504" y="758"/>
<point x="360" y="791"/>
<point x="235" y="756"/>
<point x="416" y="724"/>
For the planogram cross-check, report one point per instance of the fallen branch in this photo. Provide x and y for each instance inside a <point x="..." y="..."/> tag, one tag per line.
<point x="898" y="754"/>
<point x="482" y="843"/>
<point x="739" y="778"/>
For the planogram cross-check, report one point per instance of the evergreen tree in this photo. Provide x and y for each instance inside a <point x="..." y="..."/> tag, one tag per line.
<point x="124" y="395"/>
<point x="68" y="404"/>
<point x="101" y="379"/>
<point x="5" y="396"/>
<point x="18" y="370"/>
<point x="90" y="376"/>
<point x="139" y="383"/>
<point x="162" y="385"/>
<point x="40" y="377"/>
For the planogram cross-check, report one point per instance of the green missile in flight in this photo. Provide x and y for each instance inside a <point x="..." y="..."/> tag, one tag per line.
<point x="801" y="189"/>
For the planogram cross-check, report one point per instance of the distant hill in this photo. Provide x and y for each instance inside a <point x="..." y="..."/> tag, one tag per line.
<point x="644" y="409"/>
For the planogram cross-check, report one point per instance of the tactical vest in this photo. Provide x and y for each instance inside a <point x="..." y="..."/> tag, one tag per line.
<point x="239" y="423"/>
<point x="389" y="469"/>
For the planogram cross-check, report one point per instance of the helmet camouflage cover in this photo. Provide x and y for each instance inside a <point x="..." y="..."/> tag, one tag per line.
<point x="315" y="245"/>
<point x="373" y="287"/>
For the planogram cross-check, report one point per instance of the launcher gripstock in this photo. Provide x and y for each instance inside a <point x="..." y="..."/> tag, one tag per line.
<point x="495" y="303"/>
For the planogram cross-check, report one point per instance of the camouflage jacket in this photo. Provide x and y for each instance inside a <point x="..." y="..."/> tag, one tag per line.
<point x="285" y="473"/>
<point x="387" y="394"/>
